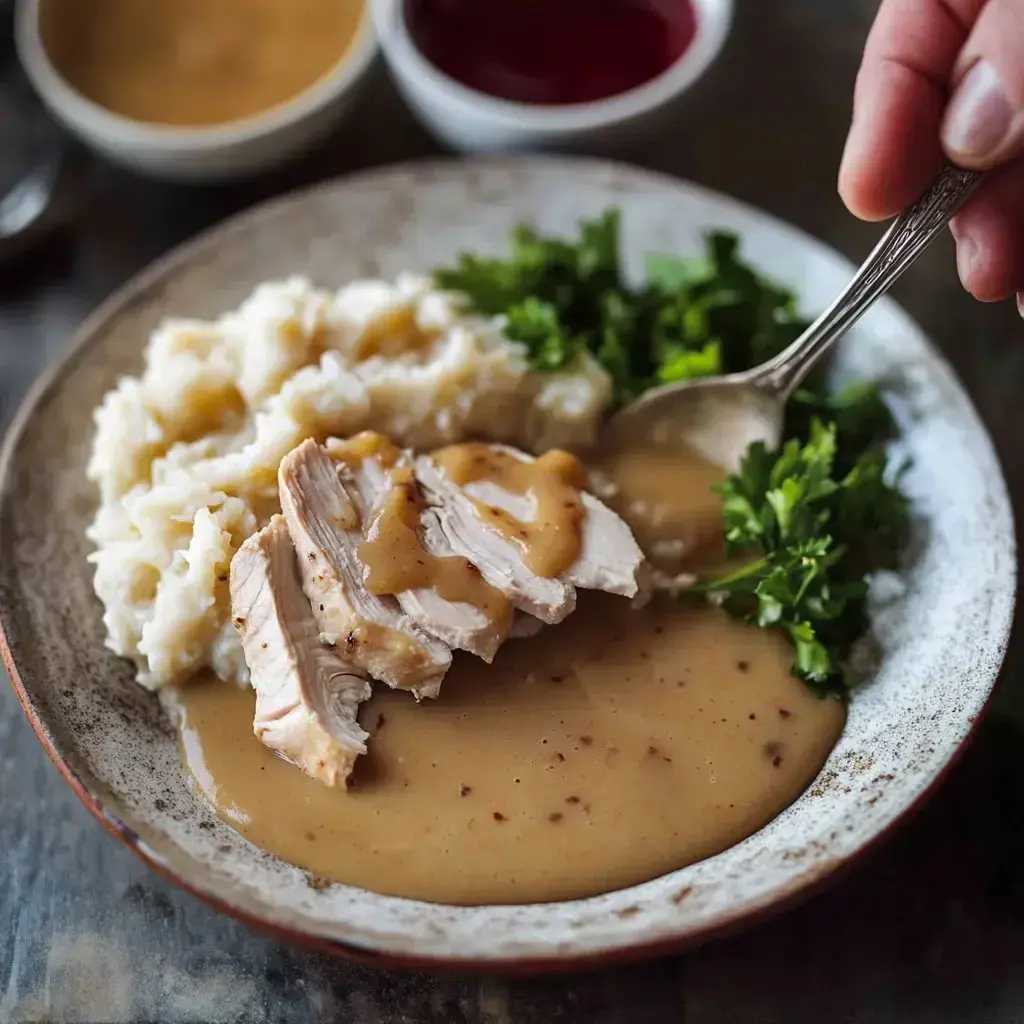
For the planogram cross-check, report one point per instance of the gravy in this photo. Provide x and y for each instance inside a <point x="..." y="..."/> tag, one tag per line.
<point x="603" y="752"/>
<point x="367" y="444"/>
<point x="664" y="492"/>
<point x="392" y="551"/>
<point x="396" y="559"/>
<point x="196" y="62"/>
<point x="551" y="541"/>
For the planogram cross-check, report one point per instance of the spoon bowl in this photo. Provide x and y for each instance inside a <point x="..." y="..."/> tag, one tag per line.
<point x="718" y="418"/>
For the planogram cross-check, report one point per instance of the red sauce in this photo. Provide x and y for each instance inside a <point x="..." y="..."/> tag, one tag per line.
<point x="551" y="52"/>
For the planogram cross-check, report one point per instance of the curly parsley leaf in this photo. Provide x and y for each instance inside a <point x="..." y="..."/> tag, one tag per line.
<point x="814" y="534"/>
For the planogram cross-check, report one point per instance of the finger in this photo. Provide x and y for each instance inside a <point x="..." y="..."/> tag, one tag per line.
<point x="893" y="148"/>
<point x="989" y="235"/>
<point x="984" y="124"/>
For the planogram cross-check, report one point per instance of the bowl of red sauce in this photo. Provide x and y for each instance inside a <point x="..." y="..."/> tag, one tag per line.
<point x="493" y="75"/>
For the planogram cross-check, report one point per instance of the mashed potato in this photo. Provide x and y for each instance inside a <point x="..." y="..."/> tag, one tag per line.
<point x="186" y="456"/>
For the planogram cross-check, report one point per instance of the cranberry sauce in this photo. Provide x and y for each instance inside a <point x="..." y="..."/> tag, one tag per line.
<point x="551" y="52"/>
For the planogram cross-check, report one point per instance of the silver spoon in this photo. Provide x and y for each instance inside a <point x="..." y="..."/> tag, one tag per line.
<point x="28" y="200"/>
<point x="720" y="416"/>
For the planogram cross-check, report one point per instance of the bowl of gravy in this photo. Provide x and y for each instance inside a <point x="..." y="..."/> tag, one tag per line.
<point x="194" y="91"/>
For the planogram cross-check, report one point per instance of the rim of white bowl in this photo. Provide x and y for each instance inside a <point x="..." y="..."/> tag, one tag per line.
<point x="713" y="19"/>
<point x="78" y="110"/>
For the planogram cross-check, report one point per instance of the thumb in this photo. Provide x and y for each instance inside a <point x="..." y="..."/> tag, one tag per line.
<point x="984" y="122"/>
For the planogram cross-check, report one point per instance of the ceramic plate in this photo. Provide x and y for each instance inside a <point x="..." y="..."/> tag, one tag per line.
<point x="944" y="636"/>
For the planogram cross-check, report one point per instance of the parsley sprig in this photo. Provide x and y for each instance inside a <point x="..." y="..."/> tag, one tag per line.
<point x="813" y="535"/>
<point x="816" y="518"/>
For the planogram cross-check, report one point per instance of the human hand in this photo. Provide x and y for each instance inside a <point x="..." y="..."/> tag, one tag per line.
<point x="945" y="78"/>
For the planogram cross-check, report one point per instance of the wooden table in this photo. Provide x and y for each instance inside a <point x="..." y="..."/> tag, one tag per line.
<point x="930" y="928"/>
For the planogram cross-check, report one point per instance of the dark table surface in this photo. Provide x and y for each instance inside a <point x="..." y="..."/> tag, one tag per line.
<point x="929" y="928"/>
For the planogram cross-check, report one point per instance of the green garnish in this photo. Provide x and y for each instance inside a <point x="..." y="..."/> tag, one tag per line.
<point x="815" y="533"/>
<point x="817" y="517"/>
<point x="692" y="317"/>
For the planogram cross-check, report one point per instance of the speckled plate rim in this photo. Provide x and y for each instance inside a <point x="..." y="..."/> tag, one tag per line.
<point x="514" y="959"/>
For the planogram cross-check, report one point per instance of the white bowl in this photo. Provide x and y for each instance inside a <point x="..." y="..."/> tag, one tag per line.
<point x="204" y="154"/>
<point x="472" y="121"/>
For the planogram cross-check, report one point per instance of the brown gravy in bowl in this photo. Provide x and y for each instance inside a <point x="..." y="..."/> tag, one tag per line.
<point x="605" y="751"/>
<point x="196" y="62"/>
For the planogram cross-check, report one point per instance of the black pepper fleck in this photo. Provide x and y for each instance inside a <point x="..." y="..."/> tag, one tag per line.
<point x="498" y="816"/>
<point x="465" y="790"/>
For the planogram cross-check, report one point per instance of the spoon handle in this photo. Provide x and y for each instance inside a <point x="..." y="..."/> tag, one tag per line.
<point x="907" y="237"/>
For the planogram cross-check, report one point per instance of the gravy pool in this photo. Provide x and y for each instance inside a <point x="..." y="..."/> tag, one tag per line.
<point x="606" y="751"/>
<point x="196" y="62"/>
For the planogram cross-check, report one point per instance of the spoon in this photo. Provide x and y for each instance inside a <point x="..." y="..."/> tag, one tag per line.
<point x="719" y="417"/>
<point x="36" y="205"/>
<point x="28" y="200"/>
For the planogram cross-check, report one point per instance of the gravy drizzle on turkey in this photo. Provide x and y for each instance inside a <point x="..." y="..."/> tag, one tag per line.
<point x="550" y="541"/>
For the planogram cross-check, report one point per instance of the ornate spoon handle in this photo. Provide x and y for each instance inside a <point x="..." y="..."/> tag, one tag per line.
<point x="908" y="236"/>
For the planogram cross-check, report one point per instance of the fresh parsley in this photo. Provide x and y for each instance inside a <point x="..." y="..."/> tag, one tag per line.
<point x="813" y="533"/>
<point x="691" y="318"/>
<point x="815" y="518"/>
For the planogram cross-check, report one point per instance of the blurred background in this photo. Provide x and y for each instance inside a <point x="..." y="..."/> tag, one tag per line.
<point x="928" y="928"/>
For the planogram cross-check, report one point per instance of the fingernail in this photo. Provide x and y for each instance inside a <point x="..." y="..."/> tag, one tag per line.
<point x="966" y="257"/>
<point x="1020" y="303"/>
<point x="979" y="114"/>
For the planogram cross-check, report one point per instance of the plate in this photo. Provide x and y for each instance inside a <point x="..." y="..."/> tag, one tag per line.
<point x="944" y="634"/>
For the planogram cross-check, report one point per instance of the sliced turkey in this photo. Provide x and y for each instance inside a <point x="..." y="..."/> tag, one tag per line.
<point x="306" y="694"/>
<point x="372" y="631"/>
<point x="376" y="480"/>
<point x="500" y="559"/>
<point x="609" y="558"/>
